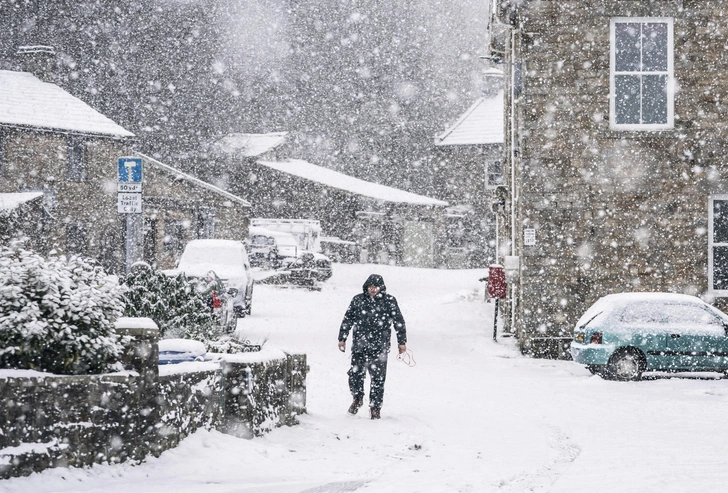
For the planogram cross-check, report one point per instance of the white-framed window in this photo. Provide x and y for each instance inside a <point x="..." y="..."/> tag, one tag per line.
<point x="718" y="245"/>
<point x="641" y="73"/>
<point x="493" y="174"/>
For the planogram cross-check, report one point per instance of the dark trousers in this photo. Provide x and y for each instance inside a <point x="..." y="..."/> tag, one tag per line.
<point x="376" y="364"/>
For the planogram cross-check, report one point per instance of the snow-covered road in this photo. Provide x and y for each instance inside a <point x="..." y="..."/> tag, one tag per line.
<point x="471" y="416"/>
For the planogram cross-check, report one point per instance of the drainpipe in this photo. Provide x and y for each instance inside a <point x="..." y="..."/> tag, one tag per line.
<point x="513" y="174"/>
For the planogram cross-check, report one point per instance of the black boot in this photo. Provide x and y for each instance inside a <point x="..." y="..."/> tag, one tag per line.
<point x="374" y="411"/>
<point x="354" y="408"/>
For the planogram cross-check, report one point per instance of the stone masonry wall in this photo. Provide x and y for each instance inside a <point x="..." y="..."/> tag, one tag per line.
<point x="61" y="421"/>
<point x="613" y="210"/>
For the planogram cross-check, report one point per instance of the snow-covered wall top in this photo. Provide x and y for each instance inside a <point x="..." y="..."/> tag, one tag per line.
<point x="250" y="145"/>
<point x="482" y="123"/>
<point x="334" y="179"/>
<point x="13" y="200"/>
<point x="27" y="101"/>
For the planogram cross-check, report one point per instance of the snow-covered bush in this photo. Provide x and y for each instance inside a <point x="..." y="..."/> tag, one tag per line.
<point x="57" y="314"/>
<point x="174" y="303"/>
<point x="229" y="345"/>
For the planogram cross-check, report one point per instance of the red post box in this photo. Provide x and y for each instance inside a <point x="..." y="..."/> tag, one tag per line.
<point x="496" y="281"/>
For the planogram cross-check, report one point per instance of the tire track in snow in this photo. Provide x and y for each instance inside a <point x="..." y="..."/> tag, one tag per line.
<point x="338" y="487"/>
<point x="544" y="477"/>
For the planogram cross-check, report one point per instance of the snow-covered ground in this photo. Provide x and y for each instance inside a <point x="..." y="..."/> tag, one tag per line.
<point x="471" y="416"/>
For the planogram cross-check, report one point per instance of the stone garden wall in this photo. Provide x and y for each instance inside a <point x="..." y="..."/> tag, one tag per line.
<point x="51" y="420"/>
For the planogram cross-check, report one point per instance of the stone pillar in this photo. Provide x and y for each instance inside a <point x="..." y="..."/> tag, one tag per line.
<point x="297" y="370"/>
<point x="141" y="354"/>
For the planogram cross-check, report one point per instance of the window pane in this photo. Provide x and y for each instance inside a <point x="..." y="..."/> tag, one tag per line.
<point x="720" y="221"/>
<point x="643" y="314"/>
<point x="627" y="99"/>
<point x="654" y="47"/>
<point x="654" y="99"/>
<point x="76" y="171"/>
<point x="75" y="240"/>
<point x="627" y="47"/>
<point x="720" y="267"/>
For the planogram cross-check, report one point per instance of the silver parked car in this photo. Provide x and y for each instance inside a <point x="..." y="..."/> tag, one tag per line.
<point x="228" y="259"/>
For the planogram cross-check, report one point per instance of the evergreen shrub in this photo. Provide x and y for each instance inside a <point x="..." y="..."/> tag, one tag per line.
<point x="180" y="306"/>
<point x="57" y="314"/>
<point x="175" y="303"/>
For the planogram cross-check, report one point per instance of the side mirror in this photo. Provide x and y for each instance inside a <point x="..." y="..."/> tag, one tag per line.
<point x="232" y="292"/>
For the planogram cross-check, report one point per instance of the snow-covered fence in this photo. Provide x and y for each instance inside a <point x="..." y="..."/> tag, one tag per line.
<point x="49" y="420"/>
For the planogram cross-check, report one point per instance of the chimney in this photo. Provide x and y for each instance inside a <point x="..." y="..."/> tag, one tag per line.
<point x="39" y="60"/>
<point x="493" y="82"/>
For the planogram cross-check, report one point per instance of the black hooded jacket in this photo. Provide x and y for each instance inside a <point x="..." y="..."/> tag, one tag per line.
<point x="372" y="319"/>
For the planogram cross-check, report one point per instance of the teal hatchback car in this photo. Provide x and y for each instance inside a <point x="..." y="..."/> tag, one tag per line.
<point x="623" y="335"/>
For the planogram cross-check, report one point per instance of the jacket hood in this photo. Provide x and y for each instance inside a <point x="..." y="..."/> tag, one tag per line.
<point x="374" y="280"/>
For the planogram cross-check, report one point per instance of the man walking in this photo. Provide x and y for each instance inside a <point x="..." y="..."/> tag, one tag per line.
<point x="371" y="314"/>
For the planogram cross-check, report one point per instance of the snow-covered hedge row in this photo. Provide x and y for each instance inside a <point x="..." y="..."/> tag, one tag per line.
<point x="174" y="303"/>
<point x="57" y="314"/>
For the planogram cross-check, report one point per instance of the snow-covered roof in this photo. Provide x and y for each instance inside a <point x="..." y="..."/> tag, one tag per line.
<point x="12" y="200"/>
<point x="250" y="145"/>
<point x="334" y="179"/>
<point x="27" y="101"/>
<point x="196" y="181"/>
<point x="482" y="123"/>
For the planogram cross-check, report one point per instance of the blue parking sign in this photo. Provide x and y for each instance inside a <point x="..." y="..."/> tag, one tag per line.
<point x="130" y="170"/>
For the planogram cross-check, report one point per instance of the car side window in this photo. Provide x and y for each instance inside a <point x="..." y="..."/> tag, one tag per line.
<point x="643" y="314"/>
<point x="692" y="319"/>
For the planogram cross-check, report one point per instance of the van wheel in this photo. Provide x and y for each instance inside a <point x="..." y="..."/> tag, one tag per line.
<point x="626" y="365"/>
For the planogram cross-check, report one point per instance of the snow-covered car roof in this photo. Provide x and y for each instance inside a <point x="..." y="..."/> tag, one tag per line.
<point x="610" y="303"/>
<point x="225" y="257"/>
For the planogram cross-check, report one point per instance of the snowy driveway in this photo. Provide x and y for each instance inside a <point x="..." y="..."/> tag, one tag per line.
<point x="472" y="416"/>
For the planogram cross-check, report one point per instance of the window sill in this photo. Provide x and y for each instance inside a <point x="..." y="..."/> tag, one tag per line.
<point x="668" y="133"/>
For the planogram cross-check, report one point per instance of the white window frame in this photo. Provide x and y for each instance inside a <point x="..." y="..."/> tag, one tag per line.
<point x="712" y="244"/>
<point x="670" y="76"/>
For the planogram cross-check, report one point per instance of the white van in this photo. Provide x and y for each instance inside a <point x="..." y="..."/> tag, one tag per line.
<point x="268" y="248"/>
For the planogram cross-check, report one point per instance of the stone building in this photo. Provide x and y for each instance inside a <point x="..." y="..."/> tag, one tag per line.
<point x="614" y="156"/>
<point x="469" y="168"/>
<point x="57" y="145"/>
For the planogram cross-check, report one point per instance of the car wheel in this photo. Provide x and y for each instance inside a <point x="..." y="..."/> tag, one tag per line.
<point x="626" y="365"/>
<point x="595" y="369"/>
<point x="240" y="312"/>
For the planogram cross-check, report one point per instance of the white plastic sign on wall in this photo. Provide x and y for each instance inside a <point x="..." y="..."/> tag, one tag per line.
<point x="529" y="237"/>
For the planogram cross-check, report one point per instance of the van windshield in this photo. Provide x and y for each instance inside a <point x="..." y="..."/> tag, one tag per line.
<point x="260" y="240"/>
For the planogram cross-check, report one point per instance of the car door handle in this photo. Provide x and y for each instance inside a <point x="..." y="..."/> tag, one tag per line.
<point x="675" y="336"/>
